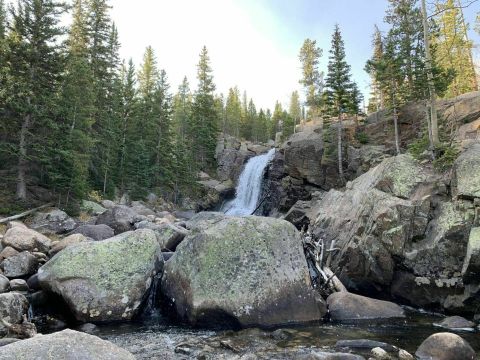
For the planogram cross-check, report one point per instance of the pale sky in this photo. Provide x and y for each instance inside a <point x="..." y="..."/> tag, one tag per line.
<point x="253" y="44"/>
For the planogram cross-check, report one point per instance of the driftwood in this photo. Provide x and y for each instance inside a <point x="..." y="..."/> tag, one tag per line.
<point x="327" y="281"/>
<point x="26" y="213"/>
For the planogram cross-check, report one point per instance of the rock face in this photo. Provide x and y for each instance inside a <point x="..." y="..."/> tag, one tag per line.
<point x="23" y="239"/>
<point x="12" y="308"/>
<point x="66" y="344"/>
<point x="105" y="280"/>
<point x="95" y="232"/>
<point x="346" y="306"/>
<point x="241" y="272"/>
<point x="53" y="222"/>
<point x="120" y="218"/>
<point x="466" y="181"/>
<point x="400" y="232"/>
<point x="445" y="346"/>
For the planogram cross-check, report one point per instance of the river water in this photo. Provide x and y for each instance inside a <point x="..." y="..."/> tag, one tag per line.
<point x="159" y="339"/>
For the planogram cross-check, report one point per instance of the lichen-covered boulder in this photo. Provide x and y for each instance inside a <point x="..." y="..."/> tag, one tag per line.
<point x="67" y="345"/>
<point x="241" y="272"/>
<point x="23" y="239"/>
<point x="12" y="308"/>
<point x="105" y="280"/>
<point x="466" y="181"/>
<point x="445" y="346"/>
<point x="92" y="207"/>
<point x="346" y="306"/>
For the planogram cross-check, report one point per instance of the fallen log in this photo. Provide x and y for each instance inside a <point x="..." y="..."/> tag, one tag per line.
<point x="26" y="213"/>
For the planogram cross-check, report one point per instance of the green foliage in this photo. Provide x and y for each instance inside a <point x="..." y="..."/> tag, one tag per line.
<point x="362" y="138"/>
<point x="419" y="146"/>
<point x="446" y="156"/>
<point x="311" y="80"/>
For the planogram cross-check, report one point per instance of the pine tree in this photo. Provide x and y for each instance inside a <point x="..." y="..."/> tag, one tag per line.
<point x="377" y="100"/>
<point x="276" y="120"/>
<point x="77" y="100"/>
<point x="233" y="112"/>
<point x="355" y="101"/>
<point x="338" y="85"/>
<point x="204" y="115"/>
<point x="295" y="112"/>
<point x="3" y="20"/>
<point x="35" y="63"/>
<point x="309" y="57"/>
<point x="182" y="107"/>
<point x="454" y="49"/>
<point x="250" y="129"/>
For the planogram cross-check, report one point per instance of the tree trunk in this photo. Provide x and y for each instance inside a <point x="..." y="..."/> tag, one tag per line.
<point x="339" y="141"/>
<point x="431" y="84"/>
<point x="22" y="159"/>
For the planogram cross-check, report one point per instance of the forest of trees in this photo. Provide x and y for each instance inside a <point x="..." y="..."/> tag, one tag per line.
<point x="76" y="118"/>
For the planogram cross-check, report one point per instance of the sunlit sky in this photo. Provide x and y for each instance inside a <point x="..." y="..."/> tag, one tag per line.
<point x="253" y="44"/>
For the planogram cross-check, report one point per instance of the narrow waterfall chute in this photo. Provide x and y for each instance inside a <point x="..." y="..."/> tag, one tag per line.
<point x="249" y="186"/>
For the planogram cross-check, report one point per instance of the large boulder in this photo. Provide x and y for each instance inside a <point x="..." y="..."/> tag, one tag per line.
<point x="92" y="207"/>
<point x="20" y="265"/>
<point x="466" y="180"/>
<point x="445" y="346"/>
<point x="23" y="239"/>
<point x="4" y="284"/>
<point x="120" y="218"/>
<point x="67" y="345"/>
<point x="241" y="272"/>
<point x="344" y="306"/>
<point x="105" y="280"/>
<point x="53" y="222"/>
<point x="13" y="306"/>
<point x="471" y="264"/>
<point x="141" y="209"/>
<point x="456" y="323"/>
<point x="95" y="232"/>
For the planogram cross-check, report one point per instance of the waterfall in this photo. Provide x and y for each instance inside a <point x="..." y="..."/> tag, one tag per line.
<point x="249" y="186"/>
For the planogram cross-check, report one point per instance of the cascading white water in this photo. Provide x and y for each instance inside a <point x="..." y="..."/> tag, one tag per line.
<point x="249" y="186"/>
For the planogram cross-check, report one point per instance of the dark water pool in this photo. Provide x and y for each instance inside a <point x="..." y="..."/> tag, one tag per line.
<point x="156" y="339"/>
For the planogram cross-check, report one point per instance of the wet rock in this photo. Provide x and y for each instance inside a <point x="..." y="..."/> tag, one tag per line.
<point x="13" y="306"/>
<point x="456" y="323"/>
<point x="24" y="239"/>
<point x="67" y="344"/>
<point x="23" y="264"/>
<point x="364" y="344"/>
<point x="33" y="282"/>
<point x="347" y="306"/>
<point x="240" y="272"/>
<point x="404" y="355"/>
<point x="53" y="222"/>
<point x="19" y="285"/>
<point x="466" y="180"/>
<point x="88" y="328"/>
<point x="105" y="280"/>
<point x="95" y="232"/>
<point x="445" y="346"/>
<point x="330" y="356"/>
<point x="92" y="207"/>
<point x="4" y="284"/>
<point x="67" y="241"/>
<point x="120" y="218"/>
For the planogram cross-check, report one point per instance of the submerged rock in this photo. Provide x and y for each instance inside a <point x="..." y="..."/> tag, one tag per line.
<point x="105" y="280"/>
<point x="445" y="346"/>
<point x="347" y="306"/>
<point x="241" y="272"/>
<point x="66" y="344"/>
<point x="456" y="323"/>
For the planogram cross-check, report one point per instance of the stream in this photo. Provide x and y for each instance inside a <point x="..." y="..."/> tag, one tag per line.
<point x="160" y="339"/>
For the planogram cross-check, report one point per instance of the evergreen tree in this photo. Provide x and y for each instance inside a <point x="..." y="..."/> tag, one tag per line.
<point x="276" y="120"/>
<point x="3" y="20"/>
<point x="204" y="115"/>
<point x="35" y="65"/>
<point x="377" y="100"/>
<point x="454" y="49"/>
<point x="182" y="108"/>
<point x="77" y="100"/>
<point x="356" y="100"/>
<point x="233" y="112"/>
<point x="250" y="128"/>
<point x="295" y="112"/>
<point x="338" y="85"/>
<point x="312" y="79"/>
<point x="262" y="127"/>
